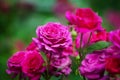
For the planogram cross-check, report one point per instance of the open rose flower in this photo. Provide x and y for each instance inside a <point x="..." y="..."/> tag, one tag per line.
<point x="113" y="64"/>
<point x="32" y="65"/>
<point x="114" y="37"/>
<point x="53" y="37"/>
<point x="85" y="20"/>
<point x="93" y="66"/>
<point x="14" y="63"/>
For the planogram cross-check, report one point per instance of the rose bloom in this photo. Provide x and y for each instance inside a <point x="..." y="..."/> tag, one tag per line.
<point x="53" y="37"/>
<point x="113" y="17"/>
<point x="14" y="63"/>
<point x="112" y="51"/>
<point x="85" y="20"/>
<point x="60" y="65"/>
<point x="60" y="62"/>
<point x="114" y="37"/>
<point x="93" y="66"/>
<point x="113" y="64"/>
<point x="32" y="65"/>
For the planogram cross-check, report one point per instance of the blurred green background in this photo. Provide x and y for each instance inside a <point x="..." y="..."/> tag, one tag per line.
<point x="19" y="19"/>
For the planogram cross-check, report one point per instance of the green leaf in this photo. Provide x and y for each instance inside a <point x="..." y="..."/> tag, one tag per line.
<point x="98" y="46"/>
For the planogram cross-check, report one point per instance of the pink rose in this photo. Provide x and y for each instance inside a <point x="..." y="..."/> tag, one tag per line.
<point x="85" y="20"/>
<point x="93" y="66"/>
<point x="53" y="37"/>
<point x="60" y="62"/>
<point x="114" y="37"/>
<point x="32" y="65"/>
<point x="60" y="65"/>
<point x="14" y="63"/>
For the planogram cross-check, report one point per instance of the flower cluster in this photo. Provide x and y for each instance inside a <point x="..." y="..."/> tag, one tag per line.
<point x="49" y="53"/>
<point x="27" y="63"/>
<point x="89" y="31"/>
<point x="54" y="39"/>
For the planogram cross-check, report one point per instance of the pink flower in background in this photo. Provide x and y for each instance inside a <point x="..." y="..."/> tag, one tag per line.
<point x="61" y="6"/>
<point x="101" y="35"/>
<point x="114" y="37"/>
<point x="32" y="65"/>
<point x="85" y="20"/>
<point x="53" y="37"/>
<point x="4" y="6"/>
<point x="14" y="63"/>
<point x="114" y="18"/>
<point x="19" y="45"/>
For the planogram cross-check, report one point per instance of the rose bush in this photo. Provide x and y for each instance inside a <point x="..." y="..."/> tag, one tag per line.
<point x="54" y="53"/>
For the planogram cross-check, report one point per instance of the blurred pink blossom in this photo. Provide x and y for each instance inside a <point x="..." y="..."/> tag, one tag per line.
<point x="113" y="18"/>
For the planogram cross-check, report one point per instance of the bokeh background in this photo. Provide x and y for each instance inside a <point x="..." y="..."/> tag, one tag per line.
<point x="19" y="19"/>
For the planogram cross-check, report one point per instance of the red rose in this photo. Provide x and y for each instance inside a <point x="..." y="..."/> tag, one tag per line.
<point x="14" y="62"/>
<point x="32" y="65"/>
<point x="85" y="20"/>
<point x="113" y="65"/>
